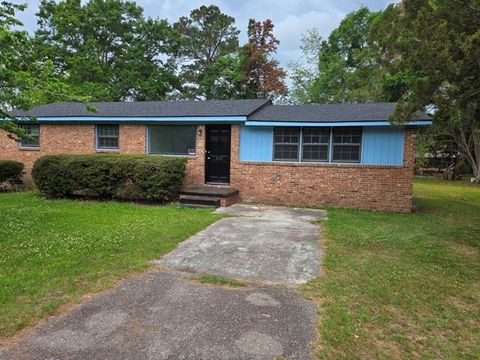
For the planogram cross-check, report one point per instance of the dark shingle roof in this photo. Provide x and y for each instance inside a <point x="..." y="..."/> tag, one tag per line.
<point x="254" y="109"/>
<point x="330" y="112"/>
<point x="149" y="108"/>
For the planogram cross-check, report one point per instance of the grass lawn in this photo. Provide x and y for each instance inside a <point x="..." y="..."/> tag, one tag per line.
<point x="53" y="252"/>
<point x="403" y="286"/>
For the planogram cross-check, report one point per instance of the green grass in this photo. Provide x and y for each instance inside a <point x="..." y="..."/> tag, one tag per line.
<point x="54" y="251"/>
<point x="403" y="286"/>
<point x="218" y="280"/>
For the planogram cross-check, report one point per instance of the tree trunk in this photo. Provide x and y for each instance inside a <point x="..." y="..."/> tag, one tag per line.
<point x="470" y="149"/>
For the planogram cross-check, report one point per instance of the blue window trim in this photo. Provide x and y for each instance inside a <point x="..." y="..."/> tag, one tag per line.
<point x="330" y="150"/>
<point x="97" y="147"/>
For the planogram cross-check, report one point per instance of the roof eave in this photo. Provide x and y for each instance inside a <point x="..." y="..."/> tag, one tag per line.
<point x="334" y="123"/>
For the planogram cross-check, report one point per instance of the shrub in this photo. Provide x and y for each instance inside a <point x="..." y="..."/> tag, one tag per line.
<point x="11" y="172"/>
<point x="110" y="176"/>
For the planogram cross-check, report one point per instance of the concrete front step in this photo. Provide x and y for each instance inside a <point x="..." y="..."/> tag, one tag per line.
<point x="199" y="201"/>
<point x="208" y="196"/>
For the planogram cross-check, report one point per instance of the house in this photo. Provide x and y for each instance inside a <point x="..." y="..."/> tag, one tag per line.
<point x="339" y="155"/>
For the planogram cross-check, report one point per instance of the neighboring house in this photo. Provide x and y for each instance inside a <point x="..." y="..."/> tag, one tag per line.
<point x="340" y="155"/>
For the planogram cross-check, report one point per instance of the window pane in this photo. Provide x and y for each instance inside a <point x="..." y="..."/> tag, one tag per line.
<point x="315" y="153"/>
<point x="315" y="144"/>
<point x="107" y="136"/>
<point x="108" y="130"/>
<point x="172" y="140"/>
<point x="316" y="135"/>
<point x="286" y="135"/>
<point x="286" y="152"/>
<point x="33" y="133"/>
<point x="346" y="144"/>
<point x="347" y="135"/>
<point x="108" y="142"/>
<point x="286" y="143"/>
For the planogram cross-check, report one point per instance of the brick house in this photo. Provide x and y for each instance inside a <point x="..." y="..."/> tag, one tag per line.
<point x="339" y="155"/>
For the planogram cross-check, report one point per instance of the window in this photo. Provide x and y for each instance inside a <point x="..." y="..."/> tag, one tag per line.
<point x="32" y="138"/>
<point x="315" y="144"/>
<point x="285" y="143"/>
<point x="346" y="144"/>
<point x="172" y="140"/>
<point x="107" y="136"/>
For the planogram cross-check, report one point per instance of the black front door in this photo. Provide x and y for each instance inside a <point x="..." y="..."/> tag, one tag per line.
<point x="217" y="154"/>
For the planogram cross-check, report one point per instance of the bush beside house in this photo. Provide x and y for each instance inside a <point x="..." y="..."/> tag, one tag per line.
<point x="110" y="176"/>
<point x="11" y="172"/>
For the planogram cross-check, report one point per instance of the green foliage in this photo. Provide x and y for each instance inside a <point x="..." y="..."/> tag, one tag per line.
<point x="11" y="172"/>
<point x="26" y="80"/>
<point x="52" y="252"/>
<point x="346" y="66"/>
<point x="208" y="41"/>
<point x="435" y="46"/>
<point x="110" y="176"/>
<point x="107" y="49"/>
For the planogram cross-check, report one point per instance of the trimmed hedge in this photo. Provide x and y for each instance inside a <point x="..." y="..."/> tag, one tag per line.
<point x="11" y="172"/>
<point x="110" y="176"/>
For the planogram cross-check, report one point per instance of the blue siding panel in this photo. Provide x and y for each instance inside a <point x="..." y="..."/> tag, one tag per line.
<point x="382" y="146"/>
<point x="256" y="143"/>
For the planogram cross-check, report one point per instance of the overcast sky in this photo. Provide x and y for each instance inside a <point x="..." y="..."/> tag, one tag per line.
<point x="291" y="18"/>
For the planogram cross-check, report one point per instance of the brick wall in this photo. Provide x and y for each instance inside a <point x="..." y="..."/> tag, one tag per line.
<point x="386" y="188"/>
<point x="352" y="186"/>
<point x="195" y="174"/>
<point x="54" y="139"/>
<point x="69" y="139"/>
<point x="80" y="139"/>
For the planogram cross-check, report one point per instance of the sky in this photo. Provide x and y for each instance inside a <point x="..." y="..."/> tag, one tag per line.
<point x="291" y="18"/>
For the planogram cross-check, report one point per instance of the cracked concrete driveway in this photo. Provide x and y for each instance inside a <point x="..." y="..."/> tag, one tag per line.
<point x="159" y="315"/>
<point x="276" y="245"/>
<point x="166" y="315"/>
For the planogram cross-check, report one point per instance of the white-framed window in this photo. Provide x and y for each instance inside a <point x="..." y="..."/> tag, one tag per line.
<point x="107" y="137"/>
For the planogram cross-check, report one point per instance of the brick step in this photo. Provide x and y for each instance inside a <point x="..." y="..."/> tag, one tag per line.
<point x="199" y="201"/>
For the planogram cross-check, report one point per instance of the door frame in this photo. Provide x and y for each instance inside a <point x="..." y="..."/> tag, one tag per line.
<point x="222" y="126"/>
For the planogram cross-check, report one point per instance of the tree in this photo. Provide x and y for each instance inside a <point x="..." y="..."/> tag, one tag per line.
<point x="304" y="73"/>
<point x="24" y="80"/>
<point x="208" y="41"/>
<point x="346" y="66"/>
<point x="436" y="44"/>
<point x="107" y="49"/>
<point x="264" y="78"/>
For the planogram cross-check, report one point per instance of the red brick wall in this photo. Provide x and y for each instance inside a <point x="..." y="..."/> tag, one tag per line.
<point x="132" y="139"/>
<point x="80" y="139"/>
<point x="352" y="186"/>
<point x="69" y="139"/>
<point x="195" y="174"/>
<point x="54" y="139"/>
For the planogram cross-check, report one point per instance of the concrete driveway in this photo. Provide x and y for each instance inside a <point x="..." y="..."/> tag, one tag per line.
<point x="158" y="315"/>
<point x="164" y="314"/>
<point x="275" y="245"/>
